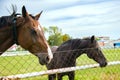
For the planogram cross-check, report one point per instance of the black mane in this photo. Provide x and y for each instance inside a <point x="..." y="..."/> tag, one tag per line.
<point x="5" y="21"/>
<point x="77" y="43"/>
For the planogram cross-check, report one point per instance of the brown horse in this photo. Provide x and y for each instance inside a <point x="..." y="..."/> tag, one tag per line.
<point x="26" y="31"/>
<point x="67" y="53"/>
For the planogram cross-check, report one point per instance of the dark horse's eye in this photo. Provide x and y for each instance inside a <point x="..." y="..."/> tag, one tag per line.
<point x="96" y="49"/>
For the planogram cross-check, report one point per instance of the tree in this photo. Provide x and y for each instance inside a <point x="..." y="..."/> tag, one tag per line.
<point x="55" y="36"/>
<point x="45" y="29"/>
<point x="66" y="37"/>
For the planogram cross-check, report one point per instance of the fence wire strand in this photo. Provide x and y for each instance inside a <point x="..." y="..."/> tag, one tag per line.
<point x="28" y="64"/>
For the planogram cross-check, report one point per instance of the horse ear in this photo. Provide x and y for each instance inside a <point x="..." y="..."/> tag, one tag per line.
<point x="24" y="12"/>
<point x="38" y="15"/>
<point x="92" y="39"/>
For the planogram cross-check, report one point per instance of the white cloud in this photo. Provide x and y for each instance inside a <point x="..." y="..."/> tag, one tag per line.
<point x="86" y="19"/>
<point x="84" y="16"/>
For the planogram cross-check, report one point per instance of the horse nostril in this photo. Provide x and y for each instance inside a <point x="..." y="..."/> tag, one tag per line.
<point x="47" y="59"/>
<point x="105" y="63"/>
<point x="44" y="59"/>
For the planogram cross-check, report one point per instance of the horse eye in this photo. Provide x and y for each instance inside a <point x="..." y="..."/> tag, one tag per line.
<point x="33" y="32"/>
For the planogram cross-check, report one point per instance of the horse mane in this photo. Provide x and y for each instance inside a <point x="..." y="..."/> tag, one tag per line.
<point x="8" y="20"/>
<point x="5" y="21"/>
<point x="77" y="43"/>
<point x="87" y="38"/>
<point x="74" y="42"/>
<point x="14" y="11"/>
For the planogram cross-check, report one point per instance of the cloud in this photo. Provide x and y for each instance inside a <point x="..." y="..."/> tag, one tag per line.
<point x="87" y="19"/>
<point x="84" y="16"/>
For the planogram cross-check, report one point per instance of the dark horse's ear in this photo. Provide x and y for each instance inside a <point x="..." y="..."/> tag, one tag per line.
<point x="38" y="15"/>
<point x="24" y="12"/>
<point x="92" y="39"/>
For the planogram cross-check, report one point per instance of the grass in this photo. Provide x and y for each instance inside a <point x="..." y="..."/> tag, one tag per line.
<point x="24" y="64"/>
<point x="107" y="73"/>
<point x="19" y="64"/>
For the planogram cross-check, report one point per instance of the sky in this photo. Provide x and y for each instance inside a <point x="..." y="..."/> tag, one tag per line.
<point x="78" y="18"/>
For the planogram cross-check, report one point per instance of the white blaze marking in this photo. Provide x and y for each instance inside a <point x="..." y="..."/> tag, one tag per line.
<point x="49" y="50"/>
<point x="39" y="28"/>
<point x="50" y="53"/>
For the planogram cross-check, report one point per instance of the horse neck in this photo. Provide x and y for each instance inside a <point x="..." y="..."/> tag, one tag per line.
<point x="6" y="38"/>
<point x="81" y="48"/>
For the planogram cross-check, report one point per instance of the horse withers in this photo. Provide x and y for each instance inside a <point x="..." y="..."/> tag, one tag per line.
<point x="26" y="31"/>
<point x="67" y="53"/>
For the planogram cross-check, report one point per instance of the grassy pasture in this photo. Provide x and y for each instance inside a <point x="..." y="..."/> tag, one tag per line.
<point x="11" y="65"/>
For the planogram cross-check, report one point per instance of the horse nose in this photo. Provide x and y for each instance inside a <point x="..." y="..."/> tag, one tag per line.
<point x="44" y="59"/>
<point x="103" y="64"/>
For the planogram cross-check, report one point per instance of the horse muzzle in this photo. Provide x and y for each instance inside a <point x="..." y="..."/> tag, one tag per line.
<point x="103" y="64"/>
<point x="44" y="59"/>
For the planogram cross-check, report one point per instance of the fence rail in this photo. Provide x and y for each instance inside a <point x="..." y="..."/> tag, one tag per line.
<point x="15" y="53"/>
<point x="54" y="71"/>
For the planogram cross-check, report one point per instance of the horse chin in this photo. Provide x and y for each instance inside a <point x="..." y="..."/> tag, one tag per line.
<point x="42" y="63"/>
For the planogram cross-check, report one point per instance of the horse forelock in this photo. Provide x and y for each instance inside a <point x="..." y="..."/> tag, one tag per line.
<point x="32" y="16"/>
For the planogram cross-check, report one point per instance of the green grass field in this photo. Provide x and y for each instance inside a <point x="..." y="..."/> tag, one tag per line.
<point x="29" y="63"/>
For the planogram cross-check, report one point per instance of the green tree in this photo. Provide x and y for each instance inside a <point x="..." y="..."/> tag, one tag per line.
<point x="45" y="29"/>
<point x="66" y="37"/>
<point x="54" y="30"/>
<point x="55" y="36"/>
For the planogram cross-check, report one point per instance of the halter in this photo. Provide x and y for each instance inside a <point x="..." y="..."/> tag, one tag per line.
<point x="14" y="31"/>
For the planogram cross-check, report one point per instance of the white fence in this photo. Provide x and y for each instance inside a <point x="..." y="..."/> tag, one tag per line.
<point x="15" y="53"/>
<point x="54" y="71"/>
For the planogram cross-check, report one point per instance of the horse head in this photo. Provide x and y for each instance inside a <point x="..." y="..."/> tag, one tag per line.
<point x="31" y="36"/>
<point x="94" y="52"/>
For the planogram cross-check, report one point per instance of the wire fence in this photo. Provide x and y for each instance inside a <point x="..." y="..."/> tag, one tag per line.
<point x="25" y="66"/>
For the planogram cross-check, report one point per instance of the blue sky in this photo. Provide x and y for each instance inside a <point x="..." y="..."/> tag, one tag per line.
<point x="78" y="18"/>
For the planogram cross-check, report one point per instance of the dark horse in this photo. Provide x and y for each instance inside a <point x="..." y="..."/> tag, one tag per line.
<point x="66" y="54"/>
<point x="26" y="31"/>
